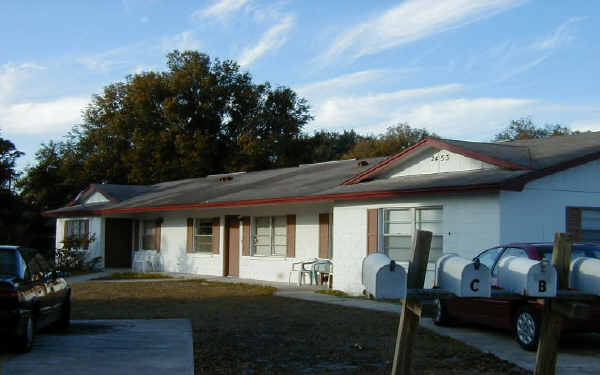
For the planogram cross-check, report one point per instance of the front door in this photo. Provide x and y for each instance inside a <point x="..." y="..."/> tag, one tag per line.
<point x="117" y="245"/>
<point x="232" y="246"/>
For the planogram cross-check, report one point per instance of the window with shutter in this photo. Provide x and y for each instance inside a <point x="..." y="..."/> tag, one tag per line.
<point x="270" y="236"/>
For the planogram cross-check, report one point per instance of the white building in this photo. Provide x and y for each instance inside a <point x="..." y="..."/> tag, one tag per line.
<point x="471" y="195"/>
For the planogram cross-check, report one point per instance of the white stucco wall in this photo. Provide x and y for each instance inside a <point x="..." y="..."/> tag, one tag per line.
<point x="471" y="223"/>
<point x="96" y="248"/>
<point x="537" y="212"/>
<point x="176" y="259"/>
<point x="437" y="161"/>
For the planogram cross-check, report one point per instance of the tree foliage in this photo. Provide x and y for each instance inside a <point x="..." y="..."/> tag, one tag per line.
<point x="8" y="158"/>
<point x="524" y="128"/>
<point x="394" y="140"/>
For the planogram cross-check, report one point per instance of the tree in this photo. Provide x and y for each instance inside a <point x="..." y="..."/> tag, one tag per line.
<point x="524" y="128"/>
<point x="325" y="146"/>
<point x="394" y="140"/>
<point x="200" y="116"/>
<point x="8" y="157"/>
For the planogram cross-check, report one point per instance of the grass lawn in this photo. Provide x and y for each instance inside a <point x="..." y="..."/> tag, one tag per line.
<point x="244" y="329"/>
<point x="133" y="276"/>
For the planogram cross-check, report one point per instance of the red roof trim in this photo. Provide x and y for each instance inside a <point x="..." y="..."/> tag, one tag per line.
<point x="92" y="188"/>
<point x="439" y="144"/>
<point x="258" y="202"/>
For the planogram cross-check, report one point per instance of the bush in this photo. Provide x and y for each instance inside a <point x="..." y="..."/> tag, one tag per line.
<point x="70" y="258"/>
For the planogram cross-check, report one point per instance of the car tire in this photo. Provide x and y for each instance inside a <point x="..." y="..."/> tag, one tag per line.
<point x="65" y="314"/>
<point x="527" y="327"/>
<point x="440" y="313"/>
<point x="25" y="339"/>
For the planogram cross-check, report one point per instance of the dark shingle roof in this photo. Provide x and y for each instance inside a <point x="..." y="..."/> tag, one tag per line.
<point x="538" y="157"/>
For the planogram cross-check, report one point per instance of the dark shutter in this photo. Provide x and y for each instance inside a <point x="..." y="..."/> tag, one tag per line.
<point x="324" y="236"/>
<point x="190" y="236"/>
<point x="157" y="235"/>
<point x="136" y="235"/>
<point x="246" y="236"/>
<point x="216" y="235"/>
<point x="291" y="236"/>
<point x="86" y="234"/>
<point x="372" y="231"/>
<point x="573" y="222"/>
<point x="65" y="231"/>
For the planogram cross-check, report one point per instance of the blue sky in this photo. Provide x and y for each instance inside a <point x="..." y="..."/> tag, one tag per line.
<point x="460" y="68"/>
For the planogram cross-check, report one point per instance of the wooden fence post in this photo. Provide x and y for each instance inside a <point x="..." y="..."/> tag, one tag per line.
<point x="547" y="352"/>
<point x="411" y="308"/>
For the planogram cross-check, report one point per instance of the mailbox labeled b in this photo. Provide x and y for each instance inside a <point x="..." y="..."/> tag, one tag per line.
<point x="527" y="277"/>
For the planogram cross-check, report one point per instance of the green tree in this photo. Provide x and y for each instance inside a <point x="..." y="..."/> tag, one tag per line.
<point x="524" y="128"/>
<point x="394" y="140"/>
<point x="325" y="146"/>
<point x="8" y="157"/>
<point x="198" y="117"/>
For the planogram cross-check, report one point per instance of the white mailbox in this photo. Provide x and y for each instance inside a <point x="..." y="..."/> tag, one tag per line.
<point x="383" y="278"/>
<point x="527" y="277"/>
<point x="585" y="275"/>
<point x="463" y="277"/>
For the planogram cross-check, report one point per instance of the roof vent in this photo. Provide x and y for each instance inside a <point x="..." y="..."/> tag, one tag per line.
<point x="362" y="163"/>
<point x="225" y="178"/>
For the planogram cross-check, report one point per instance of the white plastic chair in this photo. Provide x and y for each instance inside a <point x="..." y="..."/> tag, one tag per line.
<point x="144" y="258"/>
<point x="303" y="268"/>
<point x="323" y="267"/>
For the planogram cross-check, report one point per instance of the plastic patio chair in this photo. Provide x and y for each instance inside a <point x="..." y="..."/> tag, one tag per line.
<point x="323" y="268"/>
<point x="302" y="269"/>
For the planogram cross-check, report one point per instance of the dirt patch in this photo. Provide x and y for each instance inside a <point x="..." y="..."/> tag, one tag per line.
<point x="243" y="329"/>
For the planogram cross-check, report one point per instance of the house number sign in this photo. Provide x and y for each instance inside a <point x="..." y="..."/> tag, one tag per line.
<point x="440" y="156"/>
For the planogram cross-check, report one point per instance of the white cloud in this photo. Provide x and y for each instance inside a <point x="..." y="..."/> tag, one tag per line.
<point x="587" y="125"/>
<point x="106" y="61"/>
<point x="367" y="111"/>
<point x="272" y="40"/>
<point x="185" y="40"/>
<point x="52" y="117"/>
<point x="410" y="21"/>
<point x="220" y="9"/>
<point x="562" y="35"/>
<point x="12" y="75"/>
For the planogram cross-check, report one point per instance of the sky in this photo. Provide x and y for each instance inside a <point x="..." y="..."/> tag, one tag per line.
<point x="460" y="68"/>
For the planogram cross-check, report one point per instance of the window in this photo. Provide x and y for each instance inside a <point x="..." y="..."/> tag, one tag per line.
<point x="590" y="225"/>
<point x="203" y="235"/>
<point x="399" y="225"/>
<point x="270" y="236"/>
<point x="149" y="235"/>
<point x="76" y="233"/>
<point x="488" y="257"/>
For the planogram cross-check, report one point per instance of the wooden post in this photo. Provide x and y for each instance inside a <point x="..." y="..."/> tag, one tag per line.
<point x="547" y="352"/>
<point x="411" y="308"/>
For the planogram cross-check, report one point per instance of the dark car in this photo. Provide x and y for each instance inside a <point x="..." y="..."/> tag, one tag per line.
<point x="521" y="316"/>
<point x="32" y="296"/>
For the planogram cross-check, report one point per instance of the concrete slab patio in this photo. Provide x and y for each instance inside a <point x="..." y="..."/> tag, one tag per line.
<point x="100" y="347"/>
<point x="579" y="354"/>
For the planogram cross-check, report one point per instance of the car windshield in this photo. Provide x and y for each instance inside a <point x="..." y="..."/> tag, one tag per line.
<point x="591" y="251"/>
<point x="8" y="263"/>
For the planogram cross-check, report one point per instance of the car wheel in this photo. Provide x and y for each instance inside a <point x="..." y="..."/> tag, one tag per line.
<point x="440" y="313"/>
<point x="25" y="340"/>
<point x="65" y="314"/>
<point x="527" y="328"/>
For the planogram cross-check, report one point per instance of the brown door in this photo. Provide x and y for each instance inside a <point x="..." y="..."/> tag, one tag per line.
<point x="117" y="246"/>
<point x="232" y="246"/>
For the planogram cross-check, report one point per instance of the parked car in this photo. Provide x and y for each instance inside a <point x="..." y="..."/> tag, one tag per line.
<point x="521" y="316"/>
<point x="32" y="295"/>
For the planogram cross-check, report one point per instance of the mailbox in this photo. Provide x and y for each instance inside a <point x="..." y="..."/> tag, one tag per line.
<point x="585" y="275"/>
<point x="527" y="277"/>
<point x="462" y="277"/>
<point x="383" y="278"/>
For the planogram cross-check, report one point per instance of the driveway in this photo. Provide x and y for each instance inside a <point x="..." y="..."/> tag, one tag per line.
<point x="100" y="347"/>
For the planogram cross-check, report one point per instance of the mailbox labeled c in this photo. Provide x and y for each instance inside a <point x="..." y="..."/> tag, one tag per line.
<point x="475" y="285"/>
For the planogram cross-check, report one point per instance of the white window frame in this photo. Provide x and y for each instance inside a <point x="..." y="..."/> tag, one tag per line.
<point x="80" y="234"/>
<point x="272" y="228"/>
<point x="413" y="214"/>
<point x="208" y="221"/>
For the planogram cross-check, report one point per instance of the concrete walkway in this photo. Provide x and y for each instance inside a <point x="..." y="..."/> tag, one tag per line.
<point x="100" y="347"/>
<point x="578" y="355"/>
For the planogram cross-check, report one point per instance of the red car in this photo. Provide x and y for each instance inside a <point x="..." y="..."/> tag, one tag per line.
<point x="521" y="316"/>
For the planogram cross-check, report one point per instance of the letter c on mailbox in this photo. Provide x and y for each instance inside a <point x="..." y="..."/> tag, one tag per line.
<point x="474" y="285"/>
